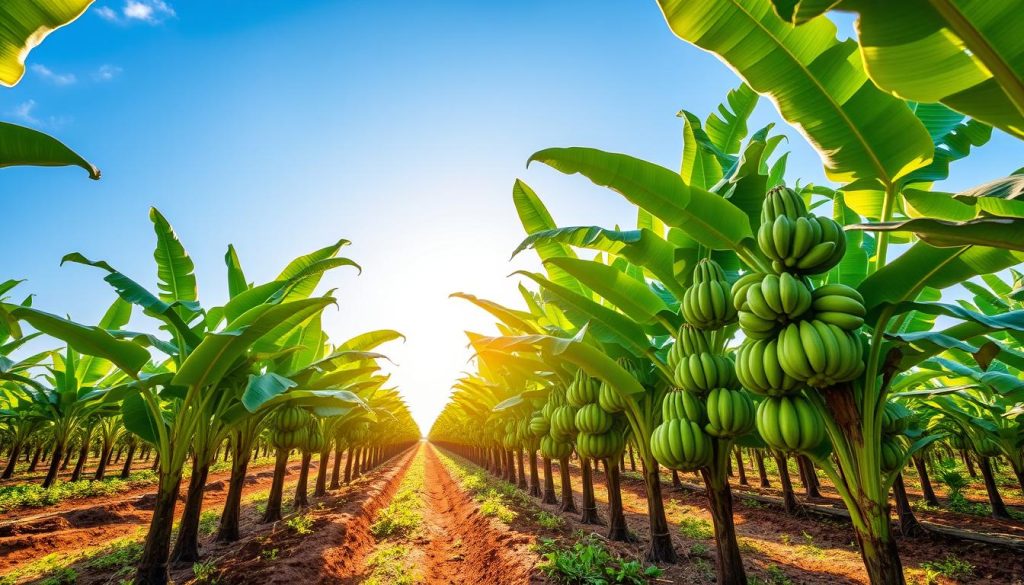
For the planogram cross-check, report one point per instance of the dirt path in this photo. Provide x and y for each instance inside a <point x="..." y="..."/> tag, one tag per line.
<point x="461" y="545"/>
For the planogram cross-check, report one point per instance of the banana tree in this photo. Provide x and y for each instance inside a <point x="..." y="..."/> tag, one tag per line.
<point x="169" y="409"/>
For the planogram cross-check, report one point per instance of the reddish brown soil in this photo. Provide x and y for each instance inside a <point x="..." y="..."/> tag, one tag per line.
<point x="75" y="525"/>
<point x="332" y="553"/>
<point x="461" y="545"/>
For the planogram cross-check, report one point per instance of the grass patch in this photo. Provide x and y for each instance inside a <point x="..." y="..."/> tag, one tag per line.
<point x="496" y="498"/>
<point x="548" y="520"/>
<point x="589" y="562"/>
<point x="403" y="515"/>
<point x="950" y="567"/>
<point x="301" y="524"/>
<point x="208" y="522"/>
<point x="695" y="528"/>
<point x="388" y="567"/>
<point x="206" y="572"/>
<point x="34" y="496"/>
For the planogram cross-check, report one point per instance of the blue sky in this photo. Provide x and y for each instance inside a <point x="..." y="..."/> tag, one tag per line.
<point x="283" y="126"/>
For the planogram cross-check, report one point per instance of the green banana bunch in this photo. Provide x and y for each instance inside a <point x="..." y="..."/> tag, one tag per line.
<point x="795" y="240"/>
<point x="610" y="400"/>
<point x="705" y="305"/>
<point x="592" y="419"/>
<point x="730" y="413"/>
<point x="839" y="305"/>
<point x="583" y="390"/>
<point x="509" y="441"/>
<point x="554" y="449"/>
<point x="774" y="300"/>
<point x="790" y="423"/>
<point x="314" y="438"/>
<point x="539" y="425"/>
<point x="289" y="439"/>
<point x="819" y="353"/>
<point x="782" y="202"/>
<point x="600" y="445"/>
<point x="689" y="341"/>
<point x="893" y="452"/>
<point x="679" y="405"/>
<point x="681" y="444"/>
<point x="895" y="418"/>
<point x="290" y="418"/>
<point x="704" y="372"/>
<point x="563" y="423"/>
<point x="758" y="369"/>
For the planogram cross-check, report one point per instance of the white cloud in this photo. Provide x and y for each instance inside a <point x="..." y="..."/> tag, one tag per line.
<point x="107" y="13"/>
<point x="148" y="11"/>
<point x="107" y="72"/>
<point x="53" y="77"/>
<point x="23" y="112"/>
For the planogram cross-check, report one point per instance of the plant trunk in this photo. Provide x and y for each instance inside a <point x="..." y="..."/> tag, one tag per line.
<point x="83" y="456"/>
<point x="761" y="471"/>
<point x="35" y="460"/>
<point x="67" y="459"/>
<point x="968" y="463"/>
<point x="590" y="515"/>
<point x="336" y="470"/>
<point x="152" y="568"/>
<point x="568" y="502"/>
<point x="998" y="507"/>
<point x="228" y="531"/>
<point x="808" y="476"/>
<point x="739" y="466"/>
<point x="186" y="548"/>
<point x="728" y="563"/>
<point x="879" y="553"/>
<point x="549" y="484"/>
<point x="273" y="512"/>
<point x="909" y="526"/>
<point x="926" y="483"/>
<point x="660" y="549"/>
<point x="520" y="463"/>
<point x="789" y="503"/>
<point x="618" y="530"/>
<point x="321" y="472"/>
<point x="632" y="460"/>
<point x="51" y="474"/>
<point x="12" y="462"/>
<point x="534" y="476"/>
<point x="1019" y="472"/>
<point x="126" y="470"/>
<point x="677" y="484"/>
<point x="301" y="497"/>
<point x="101" y="467"/>
<point x="348" y="465"/>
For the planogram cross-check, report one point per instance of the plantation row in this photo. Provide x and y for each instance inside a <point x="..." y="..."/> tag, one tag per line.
<point x="859" y="328"/>
<point x="233" y="381"/>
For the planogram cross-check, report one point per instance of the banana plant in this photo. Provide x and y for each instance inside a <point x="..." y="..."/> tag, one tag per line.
<point x="169" y="405"/>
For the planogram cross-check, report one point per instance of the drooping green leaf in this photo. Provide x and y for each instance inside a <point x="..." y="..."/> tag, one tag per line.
<point x="535" y="217"/>
<point x="24" y="146"/>
<point x="953" y="138"/>
<point x="706" y="217"/>
<point x="641" y="247"/>
<point x="1013" y="320"/>
<point x="962" y="53"/>
<point x="86" y="339"/>
<point x="370" y="340"/>
<point x="212" y="358"/>
<point x="996" y="232"/>
<point x="607" y="324"/>
<point x="518" y="320"/>
<point x="632" y="297"/>
<point x="261" y="388"/>
<point x="924" y="265"/>
<point x="138" y="419"/>
<point x="817" y="82"/>
<point x="91" y="368"/>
